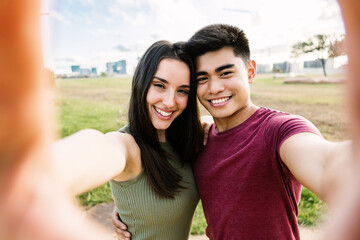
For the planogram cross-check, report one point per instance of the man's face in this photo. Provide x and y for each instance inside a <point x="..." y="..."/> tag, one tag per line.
<point x="223" y="82"/>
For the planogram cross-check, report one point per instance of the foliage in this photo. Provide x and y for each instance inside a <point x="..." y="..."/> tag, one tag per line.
<point x="337" y="47"/>
<point x="96" y="196"/>
<point x="199" y="223"/>
<point x="311" y="208"/>
<point x="323" y="46"/>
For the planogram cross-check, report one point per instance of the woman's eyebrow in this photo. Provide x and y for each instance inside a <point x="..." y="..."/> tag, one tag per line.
<point x="165" y="81"/>
<point x="161" y="79"/>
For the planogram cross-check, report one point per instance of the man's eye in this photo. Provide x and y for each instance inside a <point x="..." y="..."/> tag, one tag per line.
<point x="225" y="73"/>
<point x="201" y="79"/>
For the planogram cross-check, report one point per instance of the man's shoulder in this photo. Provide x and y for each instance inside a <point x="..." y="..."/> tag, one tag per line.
<point x="276" y="122"/>
<point x="275" y="116"/>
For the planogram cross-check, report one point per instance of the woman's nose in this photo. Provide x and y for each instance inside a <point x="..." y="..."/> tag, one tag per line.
<point x="169" y="99"/>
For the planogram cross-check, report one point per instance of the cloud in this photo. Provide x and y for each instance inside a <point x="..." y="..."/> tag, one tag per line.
<point x="105" y="32"/>
<point x="87" y="2"/>
<point x="156" y="36"/>
<point x="66" y="60"/>
<point x="59" y="17"/>
<point x="330" y="11"/>
<point x="133" y="17"/>
<point x="131" y="4"/>
<point x="122" y="48"/>
<point x="239" y="10"/>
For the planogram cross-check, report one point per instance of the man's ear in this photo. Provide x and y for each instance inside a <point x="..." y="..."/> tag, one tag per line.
<point x="251" y="71"/>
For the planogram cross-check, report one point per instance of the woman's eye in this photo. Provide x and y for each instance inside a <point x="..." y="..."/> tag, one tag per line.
<point x="159" y="85"/>
<point x="184" y="92"/>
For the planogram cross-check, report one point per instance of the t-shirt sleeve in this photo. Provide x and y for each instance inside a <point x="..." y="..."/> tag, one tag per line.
<point x="290" y="125"/>
<point x="282" y="126"/>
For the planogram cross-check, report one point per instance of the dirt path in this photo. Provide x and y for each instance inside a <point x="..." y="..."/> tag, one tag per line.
<point x="101" y="213"/>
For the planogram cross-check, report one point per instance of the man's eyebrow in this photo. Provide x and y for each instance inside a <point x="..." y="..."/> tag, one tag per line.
<point x="216" y="70"/>
<point x="224" y="67"/>
<point x="201" y="73"/>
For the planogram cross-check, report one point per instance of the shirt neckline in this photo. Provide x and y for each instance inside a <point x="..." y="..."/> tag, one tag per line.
<point x="241" y="125"/>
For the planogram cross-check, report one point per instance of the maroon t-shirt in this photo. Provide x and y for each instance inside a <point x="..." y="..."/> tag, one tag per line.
<point x="246" y="190"/>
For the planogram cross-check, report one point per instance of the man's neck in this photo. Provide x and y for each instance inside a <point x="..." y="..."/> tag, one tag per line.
<point x="224" y="124"/>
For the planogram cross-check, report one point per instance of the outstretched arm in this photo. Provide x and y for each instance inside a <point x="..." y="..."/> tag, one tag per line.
<point x="321" y="166"/>
<point x="346" y="222"/>
<point x="89" y="158"/>
<point x="33" y="204"/>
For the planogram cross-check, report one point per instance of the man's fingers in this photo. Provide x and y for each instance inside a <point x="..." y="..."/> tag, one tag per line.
<point x="119" y="227"/>
<point x="116" y="220"/>
<point x="121" y="234"/>
<point x="206" y="122"/>
<point x="206" y="133"/>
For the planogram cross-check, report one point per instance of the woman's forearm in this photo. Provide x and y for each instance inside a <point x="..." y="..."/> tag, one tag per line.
<point x="86" y="160"/>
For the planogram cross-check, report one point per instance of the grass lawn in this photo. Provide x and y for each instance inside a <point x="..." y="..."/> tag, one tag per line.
<point x="102" y="103"/>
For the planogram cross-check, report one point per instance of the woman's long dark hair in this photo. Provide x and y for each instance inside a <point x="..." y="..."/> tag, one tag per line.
<point x="184" y="134"/>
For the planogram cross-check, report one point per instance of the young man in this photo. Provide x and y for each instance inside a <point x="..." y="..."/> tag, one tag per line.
<point x="250" y="173"/>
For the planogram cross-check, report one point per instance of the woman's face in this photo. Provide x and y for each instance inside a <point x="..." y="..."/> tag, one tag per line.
<point x="168" y="94"/>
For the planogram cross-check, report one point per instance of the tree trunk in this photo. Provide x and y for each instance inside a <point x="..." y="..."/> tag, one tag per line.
<point x="323" y="61"/>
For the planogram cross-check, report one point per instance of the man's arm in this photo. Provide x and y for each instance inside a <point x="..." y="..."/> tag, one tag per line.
<point x="321" y="166"/>
<point x="346" y="223"/>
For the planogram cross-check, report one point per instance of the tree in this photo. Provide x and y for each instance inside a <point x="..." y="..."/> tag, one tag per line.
<point x="323" y="46"/>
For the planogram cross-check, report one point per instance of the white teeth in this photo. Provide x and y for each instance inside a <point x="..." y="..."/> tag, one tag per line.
<point x="162" y="113"/>
<point x="220" y="100"/>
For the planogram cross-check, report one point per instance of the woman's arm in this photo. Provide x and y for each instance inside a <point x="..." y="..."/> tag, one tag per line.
<point x="32" y="205"/>
<point x="88" y="158"/>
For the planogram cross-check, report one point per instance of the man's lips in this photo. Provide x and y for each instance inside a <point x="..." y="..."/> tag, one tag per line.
<point x="219" y="101"/>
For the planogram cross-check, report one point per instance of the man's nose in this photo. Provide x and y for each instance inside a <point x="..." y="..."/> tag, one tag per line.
<point x="215" y="86"/>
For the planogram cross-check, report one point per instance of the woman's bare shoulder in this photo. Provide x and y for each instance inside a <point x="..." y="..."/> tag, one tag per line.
<point x="133" y="165"/>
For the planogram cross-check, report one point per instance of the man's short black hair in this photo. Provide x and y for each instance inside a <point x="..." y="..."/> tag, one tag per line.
<point x="216" y="36"/>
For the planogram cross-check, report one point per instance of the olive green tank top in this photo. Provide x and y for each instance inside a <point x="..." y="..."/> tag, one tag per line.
<point x="146" y="214"/>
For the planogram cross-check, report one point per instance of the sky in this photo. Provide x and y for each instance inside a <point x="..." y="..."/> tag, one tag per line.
<point x="90" y="33"/>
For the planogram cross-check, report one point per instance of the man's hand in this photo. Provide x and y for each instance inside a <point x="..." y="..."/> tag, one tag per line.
<point x="119" y="227"/>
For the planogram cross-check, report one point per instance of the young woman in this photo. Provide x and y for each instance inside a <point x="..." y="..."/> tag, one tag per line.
<point x="149" y="159"/>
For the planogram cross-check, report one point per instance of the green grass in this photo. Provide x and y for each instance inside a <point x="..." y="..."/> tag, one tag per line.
<point x="311" y="209"/>
<point x="102" y="104"/>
